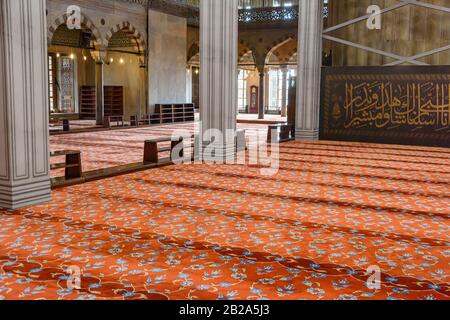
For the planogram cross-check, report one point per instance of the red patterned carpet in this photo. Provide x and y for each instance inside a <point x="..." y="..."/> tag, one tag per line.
<point x="226" y="232"/>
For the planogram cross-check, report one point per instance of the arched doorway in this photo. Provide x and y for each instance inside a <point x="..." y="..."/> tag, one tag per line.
<point x="70" y="68"/>
<point x="281" y="67"/>
<point x="248" y="84"/>
<point x="125" y="70"/>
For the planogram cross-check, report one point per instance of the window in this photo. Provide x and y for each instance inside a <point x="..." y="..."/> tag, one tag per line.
<point x="242" y="91"/>
<point x="67" y="84"/>
<point x="51" y="84"/>
<point x="291" y="74"/>
<point x="276" y="89"/>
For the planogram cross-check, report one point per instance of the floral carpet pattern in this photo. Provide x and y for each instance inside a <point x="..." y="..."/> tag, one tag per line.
<point x="227" y="232"/>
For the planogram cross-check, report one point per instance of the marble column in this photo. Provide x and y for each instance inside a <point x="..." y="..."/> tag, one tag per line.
<point x="143" y="89"/>
<point x="218" y="81"/>
<point x="99" y="57"/>
<point x="100" y="111"/>
<point x="309" y="68"/>
<point x="24" y="110"/>
<point x="189" y="73"/>
<point x="262" y="82"/>
<point x="284" y="74"/>
<point x="267" y="88"/>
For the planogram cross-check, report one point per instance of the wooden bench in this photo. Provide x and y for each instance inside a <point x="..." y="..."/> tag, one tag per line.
<point x="114" y="119"/>
<point x="134" y="121"/>
<point x="72" y="165"/>
<point x="144" y="120"/>
<point x="285" y="132"/>
<point x="65" y="123"/>
<point x="152" y="150"/>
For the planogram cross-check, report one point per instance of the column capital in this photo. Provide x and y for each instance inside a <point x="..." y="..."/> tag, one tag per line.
<point x="99" y="55"/>
<point x="261" y="68"/>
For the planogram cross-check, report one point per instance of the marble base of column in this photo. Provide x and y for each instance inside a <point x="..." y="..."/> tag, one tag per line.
<point x="19" y="196"/>
<point x="307" y="134"/>
<point x="218" y="153"/>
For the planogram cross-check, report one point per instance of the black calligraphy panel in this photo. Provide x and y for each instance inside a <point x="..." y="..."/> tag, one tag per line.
<point x="398" y="105"/>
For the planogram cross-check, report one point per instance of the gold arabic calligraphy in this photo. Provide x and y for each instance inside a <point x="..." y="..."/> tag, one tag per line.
<point x="385" y="104"/>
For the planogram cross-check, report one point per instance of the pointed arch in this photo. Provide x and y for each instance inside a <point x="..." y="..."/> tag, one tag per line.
<point x="193" y="51"/>
<point x="85" y="21"/>
<point x="130" y="30"/>
<point x="276" y="46"/>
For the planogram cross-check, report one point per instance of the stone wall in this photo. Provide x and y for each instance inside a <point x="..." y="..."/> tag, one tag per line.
<point x="125" y="71"/>
<point x="167" y="59"/>
<point x="406" y="31"/>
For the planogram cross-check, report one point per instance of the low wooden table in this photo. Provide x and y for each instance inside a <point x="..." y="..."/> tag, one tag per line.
<point x="284" y="132"/>
<point x="111" y="119"/>
<point x="143" y="120"/>
<point x="152" y="151"/>
<point x="134" y="121"/>
<point x="65" y="123"/>
<point x="72" y="165"/>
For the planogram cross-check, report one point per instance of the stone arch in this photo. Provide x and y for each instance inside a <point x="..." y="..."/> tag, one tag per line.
<point x="85" y="21"/>
<point x="273" y="50"/>
<point x="193" y="51"/>
<point x="245" y="55"/>
<point x="131" y="31"/>
<point x="244" y="48"/>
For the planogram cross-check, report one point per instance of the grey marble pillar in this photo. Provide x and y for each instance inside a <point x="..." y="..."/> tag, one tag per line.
<point x="100" y="110"/>
<point x="24" y="135"/>
<point x="99" y="57"/>
<point x="143" y="89"/>
<point x="309" y="68"/>
<point x="284" y="73"/>
<point x="261" y="111"/>
<point x="218" y="81"/>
